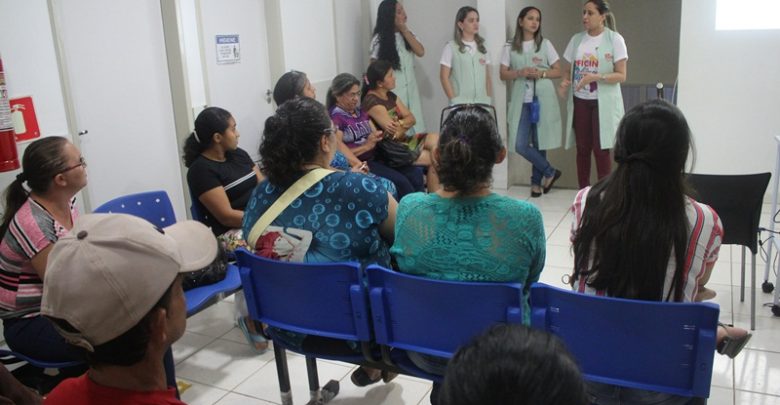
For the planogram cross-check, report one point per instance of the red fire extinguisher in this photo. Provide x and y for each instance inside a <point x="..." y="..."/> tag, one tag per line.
<point x="9" y="156"/>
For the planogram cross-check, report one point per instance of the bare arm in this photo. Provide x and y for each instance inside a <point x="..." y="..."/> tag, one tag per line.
<point x="404" y="115"/>
<point x="444" y="77"/>
<point x="563" y="88"/>
<point x="488" y="83"/>
<point x="257" y="173"/>
<point x="387" y="227"/>
<point x="382" y="117"/>
<point x="39" y="261"/>
<point x="217" y="203"/>
<point x="417" y="47"/>
<point x="618" y="76"/>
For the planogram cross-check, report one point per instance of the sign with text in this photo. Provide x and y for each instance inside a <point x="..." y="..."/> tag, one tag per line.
<point x="228" y="49"/>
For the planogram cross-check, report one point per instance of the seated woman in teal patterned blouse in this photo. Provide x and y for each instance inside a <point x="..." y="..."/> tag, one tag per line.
<point x="346" y="216"/>
<point x="464" y="231"/>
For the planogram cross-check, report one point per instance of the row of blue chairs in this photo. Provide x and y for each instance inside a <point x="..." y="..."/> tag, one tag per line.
<point x="665" y="347"/>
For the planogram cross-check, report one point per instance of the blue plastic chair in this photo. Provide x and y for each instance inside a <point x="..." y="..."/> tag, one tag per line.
<point x="656" y="346"/>
<point x="322" y="299"/>
<point x="153" y="206"/>
<point x="156" y="207"/>
<point x="11" y="357"/>
<point x="435" y="317"/>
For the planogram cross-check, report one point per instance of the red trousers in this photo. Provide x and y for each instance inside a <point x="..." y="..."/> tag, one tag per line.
<point x="586" y="133"/>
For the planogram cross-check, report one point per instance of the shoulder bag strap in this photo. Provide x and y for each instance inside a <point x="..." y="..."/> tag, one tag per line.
<point x="293" y="192"/>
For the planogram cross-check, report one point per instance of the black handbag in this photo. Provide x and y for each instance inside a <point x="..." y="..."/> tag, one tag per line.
<point x="210" y="274"/>
<point x="395" y="154"/>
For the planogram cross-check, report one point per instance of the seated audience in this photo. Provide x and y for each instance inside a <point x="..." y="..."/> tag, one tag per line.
<point x="390" y="114"/>
<point x="343" y="216"/>
<point x="40" y="208"/>
<point x="513" y="365"/>
<point x="295" y="84"/>
<point x="221" y="176"/>
<point x="122" y="313"/>
<point x="638" y="235"/>
<point x="359" y="133"/>
<point x="464" y="231"/>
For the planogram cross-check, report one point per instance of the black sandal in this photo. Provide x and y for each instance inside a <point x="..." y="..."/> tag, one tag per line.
<point x="388" y="376"/>
<point x="361" y="379"/>
<point x="731" y="346"/>
<point x="555" y="178"/>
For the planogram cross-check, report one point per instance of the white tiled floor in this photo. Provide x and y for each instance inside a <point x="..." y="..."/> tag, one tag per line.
<point x="214" y="357"/>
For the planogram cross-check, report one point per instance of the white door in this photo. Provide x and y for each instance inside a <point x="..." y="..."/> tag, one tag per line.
<point x="243" y="88"/>
<point x="114" y="60"/>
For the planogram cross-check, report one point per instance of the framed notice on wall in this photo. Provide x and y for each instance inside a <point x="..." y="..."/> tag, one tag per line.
<point x="228" y="49"/>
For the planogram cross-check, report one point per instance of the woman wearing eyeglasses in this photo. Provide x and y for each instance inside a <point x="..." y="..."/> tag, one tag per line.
<point x="360" y="134"/>
<point x="337" y="216"/>
<point x="479" y="235"/>
<point x="530" y="63"/>
<point x="40" y="208"/>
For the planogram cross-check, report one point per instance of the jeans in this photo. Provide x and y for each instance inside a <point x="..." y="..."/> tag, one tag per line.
<point x="527" y="145"/>
<point x="407" y="179"/>
<point x="605" y="394"/>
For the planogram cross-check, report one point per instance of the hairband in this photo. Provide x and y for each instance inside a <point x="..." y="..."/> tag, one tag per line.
<point x="195" y="133"/>
<point x="365" y="79"/>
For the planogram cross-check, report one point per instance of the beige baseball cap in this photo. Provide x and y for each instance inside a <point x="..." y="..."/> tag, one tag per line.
<point x="107" y="273"/>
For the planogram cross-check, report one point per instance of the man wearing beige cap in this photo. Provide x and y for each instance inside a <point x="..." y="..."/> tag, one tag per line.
<point x="112" y="288"/>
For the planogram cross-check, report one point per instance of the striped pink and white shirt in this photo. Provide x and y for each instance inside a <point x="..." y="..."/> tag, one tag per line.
<point x="31" y="230"/>
<point x="704" y="239"/>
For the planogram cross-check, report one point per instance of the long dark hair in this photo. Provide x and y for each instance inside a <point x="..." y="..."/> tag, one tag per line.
<point x="469" y="145"/>
<point x="385" y="33"/>
<point x="340" y="85"/>
<point x="603" y="7"/>
<point x="459" y="17"/>
<point x="291" y="138"/>
<point x="375" y="73"/>
<point x="517" y="42"/>
<point x="635" y="219"/>
<point x="210" y="121"/>
<point x="41" y="161"/>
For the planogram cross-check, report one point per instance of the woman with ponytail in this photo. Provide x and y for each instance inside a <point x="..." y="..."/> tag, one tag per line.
<point x="341" y="217"/>
<point x="638" y="235"/>
<point x="394" y="42"/>
<point x="40" y="207"/>
<point x="479" y="235"/>
<point x="221" y="175"/>
<point x="221" y="178"/>
<point x="597" y="60"/>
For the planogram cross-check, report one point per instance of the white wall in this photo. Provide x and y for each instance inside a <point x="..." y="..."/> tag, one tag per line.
<point x="728" y="92"/>
<point x="30" y="65"/>
<point x="310" y="40"/>
<point x="352" y="35"/>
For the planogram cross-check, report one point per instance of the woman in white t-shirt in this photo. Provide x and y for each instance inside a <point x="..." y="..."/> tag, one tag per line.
<point x="598" y="59"/>
<point x="529" y="62"/>
<point x="464" y="73"/>
<point x="394" y="42"/>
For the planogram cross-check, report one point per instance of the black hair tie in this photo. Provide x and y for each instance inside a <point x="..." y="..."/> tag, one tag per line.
<point x="21" y="177"/>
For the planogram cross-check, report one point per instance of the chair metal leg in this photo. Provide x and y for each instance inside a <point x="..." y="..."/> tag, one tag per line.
<point x="314" y="378"/>
<point x="283" y="374"/>
<point x="753" y="293"/>
<point x="742" y="279"/>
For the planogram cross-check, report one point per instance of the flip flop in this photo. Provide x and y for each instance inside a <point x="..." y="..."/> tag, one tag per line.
<point x="252" y="338"/>
<point x="361" y="379"/>
<point x="731" y="346"/>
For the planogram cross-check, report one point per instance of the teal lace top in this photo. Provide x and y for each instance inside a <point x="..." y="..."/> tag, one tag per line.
<point x="491" y="238"/>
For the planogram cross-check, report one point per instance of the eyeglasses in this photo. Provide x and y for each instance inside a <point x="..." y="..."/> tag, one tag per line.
<point x="448" y="112"/>
<point x="329" y="131"/>
<point x="82" y="163"/>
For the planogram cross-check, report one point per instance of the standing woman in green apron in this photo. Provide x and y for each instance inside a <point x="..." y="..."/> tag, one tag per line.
<point x="394" y="42"/>
<point x="465" y="73"/>
<point x="529" y="62"/>
<point x="598" y="64"/>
